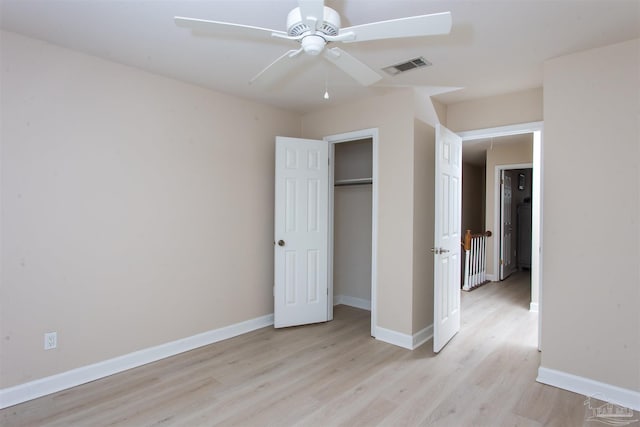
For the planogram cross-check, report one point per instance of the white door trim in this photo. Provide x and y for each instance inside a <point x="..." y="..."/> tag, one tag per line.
<point x="346" y="137"/>
<point x="495" y="132"/>
<point x="537" y="128"/>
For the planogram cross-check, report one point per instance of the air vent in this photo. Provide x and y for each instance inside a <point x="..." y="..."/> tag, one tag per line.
<point x="411" y="64"/>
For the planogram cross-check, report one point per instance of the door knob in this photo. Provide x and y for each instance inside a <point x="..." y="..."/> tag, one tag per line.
<point x="280" y="242"/>
<point x="439" y="250"/>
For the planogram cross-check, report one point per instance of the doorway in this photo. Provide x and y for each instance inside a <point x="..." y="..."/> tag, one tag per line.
<point x="352" y="223"/>
<point x="353" y="207"/>
<point x="515" y="218"/>
<point x="536" y="129"/>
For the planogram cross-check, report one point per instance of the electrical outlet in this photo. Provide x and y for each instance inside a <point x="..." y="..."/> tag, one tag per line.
<point x="50" y="340"/>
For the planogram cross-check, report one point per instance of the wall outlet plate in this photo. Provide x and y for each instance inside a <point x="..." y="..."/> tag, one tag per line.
<point x="50" y="340"/>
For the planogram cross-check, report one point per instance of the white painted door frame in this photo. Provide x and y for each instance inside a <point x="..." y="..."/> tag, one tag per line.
<point x="537" y="128"/>
<point x="497" y="210"/>
<point x="336" y="139"/>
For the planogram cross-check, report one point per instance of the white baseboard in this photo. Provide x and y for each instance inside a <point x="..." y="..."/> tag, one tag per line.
<point x="492" y="277"/>
<point x="590" y="388"/>
<point x="352" y="302"/>
<point x="395" y="338"/>
<point x="410" y="342"/>
<point x="533" y="307"/>
<point x="422" y="336"/>
<point x="41" y="387"/>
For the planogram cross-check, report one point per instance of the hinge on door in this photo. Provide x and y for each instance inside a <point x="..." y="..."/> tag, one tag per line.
<point x="327" y="291"/>
<point x="501" y="262"/>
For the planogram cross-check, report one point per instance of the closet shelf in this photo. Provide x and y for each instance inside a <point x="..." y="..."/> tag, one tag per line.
<point x="355" y="181"/>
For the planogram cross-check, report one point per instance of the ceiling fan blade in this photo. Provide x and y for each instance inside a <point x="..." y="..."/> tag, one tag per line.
<point x="312" y="13"/>
<point x="350" y="65"/>
<point x="216" y="28"/>
<point x="278" y="69"/>
<point x="412" y="26"/>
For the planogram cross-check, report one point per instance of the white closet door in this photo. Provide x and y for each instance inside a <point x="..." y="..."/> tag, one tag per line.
<point x="301" y="232"/>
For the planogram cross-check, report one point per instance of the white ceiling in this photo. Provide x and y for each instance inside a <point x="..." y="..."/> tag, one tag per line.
<point x="494" y="47"/>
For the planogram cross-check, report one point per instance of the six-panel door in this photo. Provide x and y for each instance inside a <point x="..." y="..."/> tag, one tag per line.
<point x="448" y="201"/>
<point x="301" y="231"/>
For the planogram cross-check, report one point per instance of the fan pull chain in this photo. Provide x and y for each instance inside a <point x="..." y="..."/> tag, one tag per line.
<point x="326" y="88"/>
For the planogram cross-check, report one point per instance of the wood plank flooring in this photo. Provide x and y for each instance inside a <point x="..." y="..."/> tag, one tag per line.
<point x="334" y="374"/>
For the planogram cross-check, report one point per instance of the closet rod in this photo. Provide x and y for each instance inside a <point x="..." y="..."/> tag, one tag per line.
<point x="358" y="181"/>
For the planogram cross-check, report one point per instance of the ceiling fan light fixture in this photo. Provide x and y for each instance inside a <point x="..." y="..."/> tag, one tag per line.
<point x="313" y="45"/>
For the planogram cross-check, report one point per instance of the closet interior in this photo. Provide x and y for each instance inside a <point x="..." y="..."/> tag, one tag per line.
<point x="352" y="223"/>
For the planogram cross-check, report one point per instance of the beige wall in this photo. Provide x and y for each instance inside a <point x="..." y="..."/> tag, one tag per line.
<point x="441" y="111"/>
<point x="353" y="159"/>
<point x="392" y="114"/>
<point x="473" y="189"/>
<point x="502" y="110"/>
<point x="352" y="221"/>
<point x="126" y="200"/>
<point x="516" y="149"/>
<point x="423" y="224"/>
<point x="426" y="109"/>
<point x="406" y="197"/>
<point x="352" y="242"/>
<point x="591" y="274"/>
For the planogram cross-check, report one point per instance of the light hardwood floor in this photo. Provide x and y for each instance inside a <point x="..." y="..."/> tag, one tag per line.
<point x="334" y="374"/>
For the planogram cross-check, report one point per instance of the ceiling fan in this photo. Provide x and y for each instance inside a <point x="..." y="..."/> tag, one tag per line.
<point x="314" y="26"/>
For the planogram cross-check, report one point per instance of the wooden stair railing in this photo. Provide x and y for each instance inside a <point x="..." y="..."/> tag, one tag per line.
<point x="475" y="263"/>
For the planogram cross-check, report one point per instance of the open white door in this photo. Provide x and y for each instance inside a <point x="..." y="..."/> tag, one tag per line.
<point x="301" y="231"/>
<point x="507" y="261"/>
<point x="446" y="250"/>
